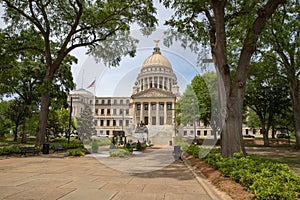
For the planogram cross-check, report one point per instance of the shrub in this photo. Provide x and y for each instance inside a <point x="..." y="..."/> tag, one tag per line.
<point x="193" y="150"/>
<point x="184" y="145"/>
<point x="9" y="150"/>
<point x="119" y="153"/>
<point x="128" y="147"/>
<point x="72" y="145"/>
<point x="95" y="146"/>
<point x="267" y="180"/>
<point x="140" y="146"/>
<point x="77" y="152"/>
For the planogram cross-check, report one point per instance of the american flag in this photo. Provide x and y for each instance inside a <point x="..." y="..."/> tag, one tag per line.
<point x="92" y="84"/>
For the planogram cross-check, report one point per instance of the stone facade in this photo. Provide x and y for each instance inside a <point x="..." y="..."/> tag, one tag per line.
<point x="149" y="113"/>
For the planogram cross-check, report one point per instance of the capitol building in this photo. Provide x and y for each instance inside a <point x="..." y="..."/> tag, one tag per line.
<point x="149" y="113"/>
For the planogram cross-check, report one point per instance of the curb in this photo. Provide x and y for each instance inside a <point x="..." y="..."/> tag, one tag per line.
<point x="210" y="189"/>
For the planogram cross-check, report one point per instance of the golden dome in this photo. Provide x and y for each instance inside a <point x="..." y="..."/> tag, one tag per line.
<point x="156" y="59"/>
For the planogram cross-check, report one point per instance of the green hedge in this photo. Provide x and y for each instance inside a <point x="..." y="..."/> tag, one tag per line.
<point x="265" y="179"/>
<point x="9" y="150"/>
<point x="71" y="145"/>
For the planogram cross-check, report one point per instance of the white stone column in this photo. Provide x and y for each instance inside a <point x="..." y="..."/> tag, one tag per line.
<point x="157" y="113"/>
<point x="134" y="113"/>
<point x="165" y="113"/>
<point x="141" y="112"/>
<point x="149" y="113"/>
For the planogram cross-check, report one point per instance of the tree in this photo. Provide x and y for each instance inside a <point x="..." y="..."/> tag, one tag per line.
<point x="86" y="124"/>
<point x="63" y="25"/>
<point x="5" y="122"/>
<point x="205" y="88"/>
<point x="282" y="44"/>
<point x="17" y="114"/>
<point x="26" y="89"/>
<point x="187" y="107"/>
<point x="266" y="94"/>
<point x="231" y="29"/>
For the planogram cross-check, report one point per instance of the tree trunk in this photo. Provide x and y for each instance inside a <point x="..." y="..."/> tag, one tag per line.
<point x="43" y="116"/>
<point x="265" y="136"/>
<point x="232" y="139"/>
<point x="16" y="134"/>
<point x="24" y="136"/>
<point x="296" y="112"/>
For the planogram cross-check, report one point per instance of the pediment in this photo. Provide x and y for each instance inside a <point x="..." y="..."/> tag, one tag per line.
<point x="153" y="93"/>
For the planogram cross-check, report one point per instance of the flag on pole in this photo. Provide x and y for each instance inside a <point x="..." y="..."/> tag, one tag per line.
<point x="92" y="84"/>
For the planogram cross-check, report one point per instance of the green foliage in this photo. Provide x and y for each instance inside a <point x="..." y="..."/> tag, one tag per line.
<point x="139" y="146"/>
<point x="119" y="153"/>
<point x="184" y="145"/>
<point x="267" y="180"/>
<point x="64" y="143"/>
<point x="77" y="152"/>
<point x="128" y="147"/>
<point x="103" y="141"/>
<point x="9" y="150"/>
<point x="193" y="150"/>
<point x="86" y="124"/>
<point x="95" y="146"/>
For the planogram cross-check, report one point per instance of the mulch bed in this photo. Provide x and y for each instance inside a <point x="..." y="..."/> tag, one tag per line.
<point x="224" y="184"/>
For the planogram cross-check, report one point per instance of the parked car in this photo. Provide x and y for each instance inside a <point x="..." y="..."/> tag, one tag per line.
<point x="248" y="136"/>
<point x="283" y="135"/>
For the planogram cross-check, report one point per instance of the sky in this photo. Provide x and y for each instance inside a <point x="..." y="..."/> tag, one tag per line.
<point x="118" y="81"/>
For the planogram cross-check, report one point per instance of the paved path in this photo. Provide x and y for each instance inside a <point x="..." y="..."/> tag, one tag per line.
<point x="50" y="177"/>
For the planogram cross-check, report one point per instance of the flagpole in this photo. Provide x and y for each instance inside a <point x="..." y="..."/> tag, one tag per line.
<point x="94" y="112"/>
<point x="82" y="78"/>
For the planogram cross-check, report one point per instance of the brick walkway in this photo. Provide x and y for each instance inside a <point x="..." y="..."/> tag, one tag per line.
<point x="50" y="177"/>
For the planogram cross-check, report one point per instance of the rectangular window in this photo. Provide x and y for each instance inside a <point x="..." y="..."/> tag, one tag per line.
<point x="102" y="111"/>
<point x="115" y="111"/>
<point x="96" y="111"/>
<point x="146" y="106"/>
<point x="153" y="106"/>
<point x="114" y="123"/>
<point x="108" y="101"/>
<point x="121" y="101"/>
<point x="101" y="122"/>
<point x="198" y="133"/>
<point x="138" y="106"/>
<point x="97" y="101"/>
<point x="115" y="101"/>
<point x="205" y="132"/>
<point x="153" y="120"/>
<point x="127" y="122"/>
<point x="120" y="122"/>
<point x="161" y="120"/>
<point x="107" y="122"/>
<point x="127" y="101"/>
<point x="127" y="111"/>
<point x="121" y="111"/>
<point x="108" y="111"/>
<point x="184" y="133"/>
<point x="161" y="106"/>
<point x="102" y="101"/>
<point x="169" y="106"/>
